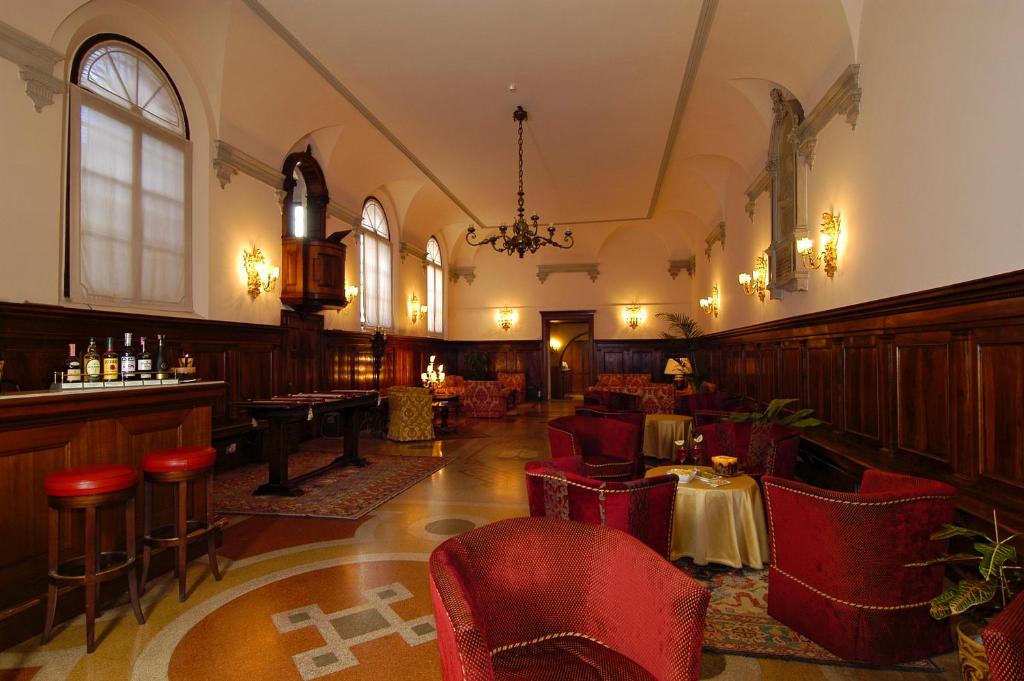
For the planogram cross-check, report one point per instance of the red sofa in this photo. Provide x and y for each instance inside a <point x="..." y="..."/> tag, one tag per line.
<point x="549" y="600"/>
<point x="484" y="399"/>
<point x="762" y="448"/>
<point x="515" y="383"/>
<point x="610" y="448"/>
<point x="653" y="398"/>
<point x="837" y="574"/>
<point x="560" y="488"/>
<point x="1004" y="642"/>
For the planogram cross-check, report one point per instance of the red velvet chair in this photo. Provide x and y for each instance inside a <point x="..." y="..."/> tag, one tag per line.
<point x="691" y="403"/>
<point x="762" y="448"/>
<point x="838" y="575"/>
<point x="1004" y="642"/>
<point x="560" y="488"/>
<point x="612" y="400"/>
<point x="549" y="600"/>
<point x="635" y="416"/>
<point x="610" y="448"/>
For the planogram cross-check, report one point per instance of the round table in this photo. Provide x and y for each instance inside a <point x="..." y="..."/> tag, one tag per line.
<point x="718" y="524"/>
<point x="661" y="431"/>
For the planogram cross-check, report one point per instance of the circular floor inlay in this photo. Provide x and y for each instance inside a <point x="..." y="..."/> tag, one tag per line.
<point x="450" y="526"/>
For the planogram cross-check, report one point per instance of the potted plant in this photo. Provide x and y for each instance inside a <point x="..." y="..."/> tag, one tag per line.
<point x="681" y="340"/>
<point x="983" y="595"/>
<point x="773" y="414"/>
<point x="476" y="365"/>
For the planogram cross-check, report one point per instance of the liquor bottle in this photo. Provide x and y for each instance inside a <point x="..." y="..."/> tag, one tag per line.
<point x="110" y="362"/>
<point x="128" y="363"/>
<point x="72" y="366"/>
<point x="160" y="364"/>
<point x="144" y="362"/>
<point x="93" y="365"/>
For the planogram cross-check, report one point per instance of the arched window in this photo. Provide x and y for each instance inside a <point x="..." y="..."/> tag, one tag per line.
<point x="435" y="287"/>
<point x="129" y="178"/>
<point x="374" y="267"/>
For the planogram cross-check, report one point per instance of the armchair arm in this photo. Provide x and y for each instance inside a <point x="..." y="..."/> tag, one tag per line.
<point x="1004" y="642"/>
<point x="461" y="632"/>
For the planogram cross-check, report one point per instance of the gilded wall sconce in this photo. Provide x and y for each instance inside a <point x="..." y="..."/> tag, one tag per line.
<point x="416" y="311"/>
<point x="757" y="280"/>
<point x="710" y="305"/>
<point x="351" y="292"/>
<point x="260" y="276"/>
<point x="634" y="315"/>
<point x="829" y="256"/>
<point x="506" y="317"/>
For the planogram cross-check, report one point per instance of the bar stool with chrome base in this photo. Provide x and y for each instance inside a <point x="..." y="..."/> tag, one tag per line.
<point x="89" y="488"/>
<point x="178" y="466"/>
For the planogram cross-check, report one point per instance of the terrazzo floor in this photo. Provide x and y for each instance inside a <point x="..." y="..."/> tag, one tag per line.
<point x="341" y="600"/>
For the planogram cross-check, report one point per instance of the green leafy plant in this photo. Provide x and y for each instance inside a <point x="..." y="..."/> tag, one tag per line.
<point x="995" y="558"/>
<point x="681" y="340"/>
<point x="476" y="365"/>
<point x="773" y="414"/>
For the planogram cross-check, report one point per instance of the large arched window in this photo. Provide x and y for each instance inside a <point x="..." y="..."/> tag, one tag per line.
<point x="435" y="287"/>
<point x="374" y="267"/>
<point x="129" y="228"/>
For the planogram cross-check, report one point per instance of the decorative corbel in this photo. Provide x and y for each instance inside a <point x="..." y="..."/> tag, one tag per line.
<point x="716" y="235"/>
<point x="467" y="273"/>
<point x="35" y="61"/>
<point x="677" y="266"/>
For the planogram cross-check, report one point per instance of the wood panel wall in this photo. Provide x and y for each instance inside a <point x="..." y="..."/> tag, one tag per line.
<point x="930" y="383"/>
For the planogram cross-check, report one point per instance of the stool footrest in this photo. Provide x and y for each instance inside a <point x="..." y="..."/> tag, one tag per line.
<point x="110" y="564"/>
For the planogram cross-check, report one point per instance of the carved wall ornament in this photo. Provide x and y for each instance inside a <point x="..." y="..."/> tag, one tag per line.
<point x="467" y="273"/>
<point x="588" y="268"/>
<point x="715" y="235"/>
<point x="35" y="61"/>
<point x="756" y="188"/>
<point x="677" y="266"/>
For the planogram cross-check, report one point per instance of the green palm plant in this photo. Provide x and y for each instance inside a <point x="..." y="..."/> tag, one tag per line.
<point x="995" y="558"/>
<point x="773" y="413"/>
<point x="681" y="340"/>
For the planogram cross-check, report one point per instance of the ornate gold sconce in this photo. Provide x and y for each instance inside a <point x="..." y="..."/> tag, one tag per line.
<point x="506" y="317"/>
<point x="830" y="230"/>
<point x="710" y="305"/>
<point x="351" y="292"/>
<point x="416" y="311"/>
<point x="757" y="280"/>
<point x="634" y="315"/>
<point x="260" y="276"/>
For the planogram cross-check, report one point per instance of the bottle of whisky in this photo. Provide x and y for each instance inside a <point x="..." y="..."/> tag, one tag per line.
<point x="93" y="365"/>
<point x="110" y="362"/>
<point x="128" y="363"/>
<point x="160" y="364"/>
<point x="72" y="366"/>
<point x="144" y="362"/>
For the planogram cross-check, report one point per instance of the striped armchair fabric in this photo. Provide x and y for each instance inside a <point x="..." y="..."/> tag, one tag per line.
<point x="485" y="399"/>
<point x="411" y="416"/>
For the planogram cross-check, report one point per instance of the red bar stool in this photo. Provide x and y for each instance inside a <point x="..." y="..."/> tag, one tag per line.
<point x="89" y="488"/>
<point x="178" y="466"/>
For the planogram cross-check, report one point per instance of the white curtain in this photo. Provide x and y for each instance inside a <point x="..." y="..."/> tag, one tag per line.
<point x="375" y="280"/>
<point x="435" y="299"/>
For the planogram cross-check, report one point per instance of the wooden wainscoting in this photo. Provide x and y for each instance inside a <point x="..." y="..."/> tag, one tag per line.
<point x="930" y="383"/>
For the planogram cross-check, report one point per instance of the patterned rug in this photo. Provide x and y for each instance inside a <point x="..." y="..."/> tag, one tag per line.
<point x="738" y="622"/>
<point x="348" y="493"/>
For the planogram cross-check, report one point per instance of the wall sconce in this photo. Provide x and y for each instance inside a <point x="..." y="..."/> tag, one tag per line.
<point x="634" y="315"/>
<point x="757" y="280"/>
<point x="711" y="303"/>
<point x="506" y="317"/>
<point x="351" y="292"/>
<point x="830" y="229"/>
<point x="260" y="276"/>
<point x="415" y="309"/>
<point x="555" y="344"/>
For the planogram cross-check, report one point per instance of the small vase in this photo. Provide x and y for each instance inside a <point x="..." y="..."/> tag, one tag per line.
<point x="973" y="661"/>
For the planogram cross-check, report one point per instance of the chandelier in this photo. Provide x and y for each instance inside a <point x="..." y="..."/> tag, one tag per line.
<point x="433" y="378"/>
<point x="524" y="236"/>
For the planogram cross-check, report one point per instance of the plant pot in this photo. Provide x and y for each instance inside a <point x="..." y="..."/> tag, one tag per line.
<point x="973" y="661"/>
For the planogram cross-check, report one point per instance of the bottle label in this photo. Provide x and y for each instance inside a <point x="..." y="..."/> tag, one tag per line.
<point x="145" y="365"/>
<point x="127" y="365"/>
<point x="93" y="367"/>
<point x="110" y="368"/>
<point x="73" y="374"/>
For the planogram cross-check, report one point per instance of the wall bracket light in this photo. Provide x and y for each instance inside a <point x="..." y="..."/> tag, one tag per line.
<point x="505" y="318"/>
<point x="416" y="311"/>
<point x="829" y="256"/>
<point x="634" y="315"/>
<point x="710" y="305"/>
<point x="351" y="292"/>
<point x="260" y="276"/>
<point x="756" y="281"/>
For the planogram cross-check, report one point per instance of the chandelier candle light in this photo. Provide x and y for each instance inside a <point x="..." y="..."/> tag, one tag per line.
<point x="711" y="303"/>
<point x="433" y="378"/>
<point x="260" y="276"/>
<point x="634" y="315"/>
<point x="757" y="280"/>
<point x="505" y="318"/>
<point x="829" y="256"/>
<point x="524" y="235"/>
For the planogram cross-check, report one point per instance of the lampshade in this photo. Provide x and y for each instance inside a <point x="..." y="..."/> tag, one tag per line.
<point x="674" y="368"/>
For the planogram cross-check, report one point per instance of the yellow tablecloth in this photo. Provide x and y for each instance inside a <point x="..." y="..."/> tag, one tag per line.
<point x="719" y="524"/>
<point x="661" y="432"/>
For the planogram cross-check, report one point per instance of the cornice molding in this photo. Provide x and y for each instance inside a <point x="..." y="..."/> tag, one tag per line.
<point x="467" y="273"/>
<point x="35" y="61"/>
<point x="715" y="235"/>
<point x="843" y="98"/>
<point x="756" y="188"/>
<point x="405" y="248"/>
<point x="336" y="210"/>
<point x="588" y="268"/>
<point x="700" y="39"/>
<point x="677" y="266"/>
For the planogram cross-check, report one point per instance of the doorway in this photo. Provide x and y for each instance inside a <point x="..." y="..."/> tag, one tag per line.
<point x="568" y="350"/>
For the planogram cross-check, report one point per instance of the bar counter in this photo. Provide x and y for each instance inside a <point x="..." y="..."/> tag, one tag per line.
<point x="44" y="431"/>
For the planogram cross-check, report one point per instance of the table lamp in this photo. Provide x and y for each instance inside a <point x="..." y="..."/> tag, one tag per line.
<point x="678" y="370"/>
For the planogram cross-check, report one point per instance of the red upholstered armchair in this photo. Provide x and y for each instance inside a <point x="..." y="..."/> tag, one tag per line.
<point x="1004" y="642"/>
<point x="515" y="383"/>
<point x="548" y="600"/>
<point x="762" y="448"/>
<point x="559" y="488"/>
<point x="484" y="399"/>
<point x="609" y="398"/>
<point x="838" y="575"/>
<point x="634" y="416"/>
<point x="610" y="448"/>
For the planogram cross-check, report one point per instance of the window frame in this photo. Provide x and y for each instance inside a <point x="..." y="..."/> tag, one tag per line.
<point x="74" y="289"/>
<point x="435" y="303"/>
<point x="372" y="234"/>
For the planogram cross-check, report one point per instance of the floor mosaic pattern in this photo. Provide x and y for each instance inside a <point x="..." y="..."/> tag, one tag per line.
<point x="345" y="600"/>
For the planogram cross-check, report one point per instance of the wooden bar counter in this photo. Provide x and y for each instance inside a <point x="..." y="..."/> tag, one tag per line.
<point x="41" y="432"/>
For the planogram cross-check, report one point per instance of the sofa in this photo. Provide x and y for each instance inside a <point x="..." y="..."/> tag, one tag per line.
<point x="515" y="382"/>
<point x="452" y="386"/>
<point x="484" y="399"/>
<point x="652" y="398"/>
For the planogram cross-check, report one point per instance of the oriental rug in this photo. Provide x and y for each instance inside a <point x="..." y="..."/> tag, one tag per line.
<point x="738" y="622"/>
<point x="348" y="493"/>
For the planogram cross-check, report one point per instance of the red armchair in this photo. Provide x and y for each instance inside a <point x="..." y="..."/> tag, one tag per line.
<point x="610" y="448"/>
<point x="1004" y="642"/>
<point x="838" y="575"/>
<point x="484" y="399"/>
<point x="559" y="488"/>
<point x="546" y="600"/>
<point x="515" y="383"/>
<point x="762" y="448"/>
<point x="610" y="399"/>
